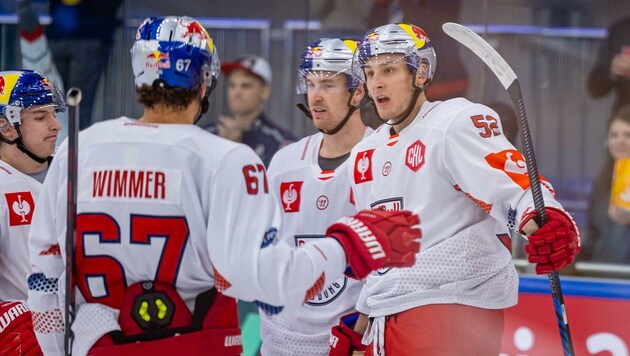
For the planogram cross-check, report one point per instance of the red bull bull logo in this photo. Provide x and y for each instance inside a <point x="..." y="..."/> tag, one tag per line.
<point x="195" y="28"/>
<point x="46" y="84"/>
<point x="314" y="52"/>
<point x="371" y="37"/>
<point x="158" y="59"/>
<point x="2" y="84"/>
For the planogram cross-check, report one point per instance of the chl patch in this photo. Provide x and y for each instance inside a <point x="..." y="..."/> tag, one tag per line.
<point x="20" y="206"/>
<point x="291" y="194"/>
<point x="414" y="159"/>
<point x="363" y="167"/>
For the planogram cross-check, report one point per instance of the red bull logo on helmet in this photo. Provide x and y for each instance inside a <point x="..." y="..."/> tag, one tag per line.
<point x="371" y="37"/>
<point x="2" y="85"/>
<point x="46" y="84"/>
<point x="314" y="52"/>
<point x="195" y="28"/>
<point x="158" y="59"/>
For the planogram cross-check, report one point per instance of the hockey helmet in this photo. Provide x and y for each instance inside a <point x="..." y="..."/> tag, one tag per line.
<point x="24" y="89"/>
<point x="327" y="57"/>
<point x="409" y="40"/>
<point x="175" y="52"/>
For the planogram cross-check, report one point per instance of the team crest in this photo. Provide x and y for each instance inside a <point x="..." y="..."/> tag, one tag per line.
<point x="512" y="163"/>
<point x="363" y="167"/>
<point x="329" y="293"/>
<point x="290" y="193"/>
<point x="20" y="206"/>
<point x="414" y="159"/>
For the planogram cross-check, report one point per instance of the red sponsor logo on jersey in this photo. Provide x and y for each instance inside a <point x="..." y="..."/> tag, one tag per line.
<point x="290" y="193"/>
<point x="414" y="159"/>
<point x="363" y="167"/>
<point x="20" y="206"/>
<point x="512" y="163"/>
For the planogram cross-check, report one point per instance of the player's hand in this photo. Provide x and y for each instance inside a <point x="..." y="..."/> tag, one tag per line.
<point x="17" y="337"/>
<point x="553" y="246"/>
<point x="619" y="215"/>
<point x="374" y="239"/>
<point x="620" y="66"/>
<point x="229" y="128"/>
<point x="344" y="340"/>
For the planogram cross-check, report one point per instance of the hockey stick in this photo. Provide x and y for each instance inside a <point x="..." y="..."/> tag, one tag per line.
<point x="508" y="79"/>
<point x="73" y="98"/>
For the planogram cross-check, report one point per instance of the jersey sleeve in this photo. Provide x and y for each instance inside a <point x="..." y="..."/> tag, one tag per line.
<point x="249" y="261"/>
<point x="45" y="292"/>
<point x="486" y="167"/>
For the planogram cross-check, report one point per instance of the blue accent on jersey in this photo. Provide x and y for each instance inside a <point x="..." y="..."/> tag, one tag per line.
<point x="269" y="237"/>
<point x="267" y="308"/>
<point x="39" y="282"/>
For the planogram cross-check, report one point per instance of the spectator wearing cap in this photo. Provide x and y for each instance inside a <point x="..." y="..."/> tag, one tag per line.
<point x="248" y="88"/>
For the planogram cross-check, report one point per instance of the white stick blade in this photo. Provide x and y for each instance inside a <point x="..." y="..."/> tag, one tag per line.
<point x="483" y="50"/>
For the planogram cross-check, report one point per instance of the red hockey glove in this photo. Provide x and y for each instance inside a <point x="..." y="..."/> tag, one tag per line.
<point x="555" y="245"/>
<point x="374" y="239"/>
<point x="17" y="336"/>
<point x="344" y="340"/>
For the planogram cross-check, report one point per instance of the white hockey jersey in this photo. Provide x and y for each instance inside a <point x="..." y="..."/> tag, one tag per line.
<point x="311" y="200"/>
<point x="171" y="203"/>
<point x="19" y="194"/>
<point x="454" y="168"/>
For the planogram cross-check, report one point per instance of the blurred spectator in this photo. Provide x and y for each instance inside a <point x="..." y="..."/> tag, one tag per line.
<point x="451" y="78"/>
<point x="248" y="88"/>
<point x="607" y="238"/>
<point x="80" y="37"/>
<point x="612" y="69"/>
<point x="342" y="18"/>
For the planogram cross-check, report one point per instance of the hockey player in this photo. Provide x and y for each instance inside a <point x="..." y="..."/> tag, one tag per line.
<point x="172" y="220"/>
<point x="450" y="163"/>
<point x="309" y="179"/>
<point x="28" y="131"/>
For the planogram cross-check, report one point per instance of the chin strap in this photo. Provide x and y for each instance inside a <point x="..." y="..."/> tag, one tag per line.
<point x="20" y="145"/>
<point x="351" y="109"/>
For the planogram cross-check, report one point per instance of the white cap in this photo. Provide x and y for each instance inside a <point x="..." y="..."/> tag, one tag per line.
<point x="251" y="63"/>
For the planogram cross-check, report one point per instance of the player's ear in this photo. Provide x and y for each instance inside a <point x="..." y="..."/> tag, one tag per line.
<point x="5" y="127"/>
<point x="358" y="95"/>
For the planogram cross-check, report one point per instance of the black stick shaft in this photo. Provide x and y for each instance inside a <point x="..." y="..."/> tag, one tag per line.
<point x="74" y="97"/>
<point x="541" y="216"/>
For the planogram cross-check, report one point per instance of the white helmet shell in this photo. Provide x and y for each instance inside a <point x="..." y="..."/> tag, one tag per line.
<point x="409" y="40"/>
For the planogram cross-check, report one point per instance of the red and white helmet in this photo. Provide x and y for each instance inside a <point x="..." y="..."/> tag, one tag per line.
<point x="409" y="40"/>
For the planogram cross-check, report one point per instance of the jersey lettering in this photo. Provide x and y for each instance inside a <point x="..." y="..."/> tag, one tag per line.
<point x="488" y="124"/>
<point x="101" y="277"/>
<point x="252" y="181"/>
